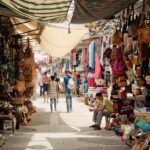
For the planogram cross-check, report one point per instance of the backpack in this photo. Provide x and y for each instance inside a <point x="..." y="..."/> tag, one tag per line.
<point x="70" y="84"/>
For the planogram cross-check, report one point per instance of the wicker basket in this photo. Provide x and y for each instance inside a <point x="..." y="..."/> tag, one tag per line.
<point x="145" y="116"/>
<point x="18" y="101"/>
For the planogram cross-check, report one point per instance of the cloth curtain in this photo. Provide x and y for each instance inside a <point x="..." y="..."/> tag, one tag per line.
<point x="97" y="66"/>
<point x="92" y="55"/>
<point x="83" y="57"/>
<point x="67" y="65"/>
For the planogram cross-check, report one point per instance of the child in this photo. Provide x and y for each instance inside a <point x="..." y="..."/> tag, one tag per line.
<point x="53" y="91"/>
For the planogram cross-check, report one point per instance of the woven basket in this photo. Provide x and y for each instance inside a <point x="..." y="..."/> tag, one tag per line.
<point x="18" y="101"/>
<point x="145" y="116"/>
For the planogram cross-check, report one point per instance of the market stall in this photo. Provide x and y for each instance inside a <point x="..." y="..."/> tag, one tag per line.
<point x="17" y="78"/>
<point x="116" y="63"/>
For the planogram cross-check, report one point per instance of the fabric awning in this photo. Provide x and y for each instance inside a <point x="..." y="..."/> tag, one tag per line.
<point x="56" y="11"/>
<point x="92" y="10"/>
<point x="41" y="10"/>
<point x="57" y="42"/>
<point x="27" y="28"/>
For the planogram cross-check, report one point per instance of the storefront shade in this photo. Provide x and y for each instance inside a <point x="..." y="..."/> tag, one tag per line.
<point x="57" y="42"/>
<point x="42" y="11"/>
<point x="92" y="10"/>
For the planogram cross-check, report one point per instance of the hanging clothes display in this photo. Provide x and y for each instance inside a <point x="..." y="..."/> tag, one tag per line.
<point x="67" y="66"/>
<point x="91" y="79"/>
<point x="74" y="58"/>
<point x="86" y="63"/>
<point x="92" y="55"/>
<point x="98" y="66"/>
<point x="83" y="57"/>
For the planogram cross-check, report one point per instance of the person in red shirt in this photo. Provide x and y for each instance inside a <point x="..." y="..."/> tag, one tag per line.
<point x="46" y="82"/>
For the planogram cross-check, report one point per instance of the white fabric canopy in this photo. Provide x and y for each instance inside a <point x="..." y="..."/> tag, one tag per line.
<point x="57" y="42"/>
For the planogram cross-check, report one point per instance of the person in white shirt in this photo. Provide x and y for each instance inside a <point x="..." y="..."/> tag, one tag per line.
<point x="53" y="92"/>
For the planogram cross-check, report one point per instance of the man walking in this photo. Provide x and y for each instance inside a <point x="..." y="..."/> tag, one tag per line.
<point x="69" y="86"/>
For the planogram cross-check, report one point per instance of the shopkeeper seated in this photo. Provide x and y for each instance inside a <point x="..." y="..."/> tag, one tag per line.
<point x="100" y="107"/>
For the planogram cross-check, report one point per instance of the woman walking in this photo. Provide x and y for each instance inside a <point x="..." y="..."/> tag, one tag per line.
<point x="46" y="82"/>
<point x="53" y="91"/>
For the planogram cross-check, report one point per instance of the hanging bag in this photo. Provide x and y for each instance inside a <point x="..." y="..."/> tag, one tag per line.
<point x="116" y="39"/>
<point x="143" y="32"/>
<point x="20" y="86"/>
<point x="118" y="67"/>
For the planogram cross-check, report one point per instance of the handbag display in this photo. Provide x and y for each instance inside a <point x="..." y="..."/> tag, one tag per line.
<point x="125" y="38"/>
<point x="21" y="64"/>
<point x="122" y="94"/>
<point x="20" y="86"/>
<point x="28" y="71"/>
<point x="107" y="53"/>
<point x="118" y="52"/>
<point x="129" y="43"/>
<point x="143" y="35"/>
<point x="122" y="84"/>
<point x="118" y="67"/>
<point x="121" y="78"/>
<point x="116" y="39"/>
<point x="20" y="55"/>
<point x="29" y="61"/>
<point x="21" y="77"/>
<point x="143" y="32"/>
<point x="144" y="50"/>
<point x="113" y="96"/>
<point x="136" y="60"/>
<point x="29" y="84"/>
<point x="18" y="101"/>
<point x="130" y="75"/>
<point x="147" y="78"/>
<point x="137" y="90"/>
<point x="138" y="70"/>
<point x="29" y="78"/>
<point x="128" y="64"/>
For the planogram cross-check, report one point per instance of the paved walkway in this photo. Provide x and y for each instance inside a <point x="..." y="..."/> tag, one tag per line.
<point x="62" y="131"/>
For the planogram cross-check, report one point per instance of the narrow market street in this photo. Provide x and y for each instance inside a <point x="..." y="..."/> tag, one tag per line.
<point x="62" y="131"/>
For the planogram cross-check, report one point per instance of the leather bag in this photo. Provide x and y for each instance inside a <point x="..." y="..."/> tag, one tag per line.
<point x="143" y="35"/>
<point x="116" y="39"/>
<point x="20" y="86"/>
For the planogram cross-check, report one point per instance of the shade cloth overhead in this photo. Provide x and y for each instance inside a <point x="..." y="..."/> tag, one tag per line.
<point x="40" y="10"/>
<point x="92" y="10"/>
<point x="57" y="42"/>
<point x="56" y="11"/>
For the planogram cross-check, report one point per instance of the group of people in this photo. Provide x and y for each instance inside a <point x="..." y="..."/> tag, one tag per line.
<point x="49" y="88"/>
<point x="100" y="106"/>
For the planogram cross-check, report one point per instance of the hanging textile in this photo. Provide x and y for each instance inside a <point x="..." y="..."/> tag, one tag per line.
<point x="74" y="58"/>
<point x="92" y="55"/>
<point x="91" y="79"/>
<point x="67" y="65"/>
<point x="98" y="66"/>
<point x="59" y="46"/>
<point x="83" y="57"/>
<point x="86" y="62"/>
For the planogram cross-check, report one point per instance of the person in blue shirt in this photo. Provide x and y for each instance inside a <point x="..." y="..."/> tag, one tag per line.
<point x="68" y="91"/>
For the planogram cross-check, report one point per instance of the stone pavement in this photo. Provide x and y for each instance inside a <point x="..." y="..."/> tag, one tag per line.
<point x="62" y="131"/>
